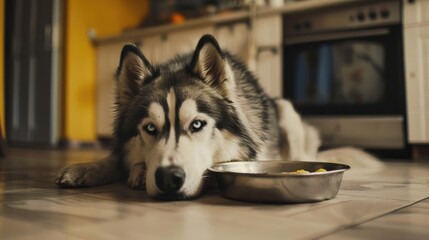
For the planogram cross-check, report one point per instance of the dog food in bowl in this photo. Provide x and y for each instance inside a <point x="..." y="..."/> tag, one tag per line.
<point x="302" y="171"/>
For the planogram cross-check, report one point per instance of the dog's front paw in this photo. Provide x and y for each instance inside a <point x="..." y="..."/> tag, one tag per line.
<point x="137" y="177"/>
<point x="79" y="175"/>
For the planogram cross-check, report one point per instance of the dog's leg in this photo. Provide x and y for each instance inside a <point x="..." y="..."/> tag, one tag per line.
<point x="137" y="177"/>
<point x="90" y="174"/>
<point x="299" y="141"/>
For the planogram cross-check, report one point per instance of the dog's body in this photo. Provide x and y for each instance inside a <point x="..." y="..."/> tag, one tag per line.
<point x="175" y="120"/>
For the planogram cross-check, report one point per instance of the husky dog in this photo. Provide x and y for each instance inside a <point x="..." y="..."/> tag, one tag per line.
<point x="175" y="120"/>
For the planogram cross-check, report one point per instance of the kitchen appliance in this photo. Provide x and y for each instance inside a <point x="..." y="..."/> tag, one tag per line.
<point x="343" y="70"/>
<point x="33" y="57"/>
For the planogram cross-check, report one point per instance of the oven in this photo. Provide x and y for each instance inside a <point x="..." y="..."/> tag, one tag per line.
<point x="344" y="71"/>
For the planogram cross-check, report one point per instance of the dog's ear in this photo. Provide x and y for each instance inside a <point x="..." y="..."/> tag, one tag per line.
<point x="133" y="69"/>
<point x="209" y="63"/>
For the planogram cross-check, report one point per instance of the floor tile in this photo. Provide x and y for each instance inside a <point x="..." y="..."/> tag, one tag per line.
<point x="12" y="229"/>
<point x="408" y="223"/>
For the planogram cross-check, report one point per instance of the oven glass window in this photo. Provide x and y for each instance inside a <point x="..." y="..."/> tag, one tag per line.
<point x="341" y="73"/>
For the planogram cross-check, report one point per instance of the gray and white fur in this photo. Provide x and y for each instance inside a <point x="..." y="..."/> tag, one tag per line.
<point x="175" y="120"/>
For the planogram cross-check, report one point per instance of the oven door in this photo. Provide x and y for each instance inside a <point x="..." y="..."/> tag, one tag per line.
<point x="349" y="84"/>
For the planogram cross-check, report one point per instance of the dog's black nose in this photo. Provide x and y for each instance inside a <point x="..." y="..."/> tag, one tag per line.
<point x="169" y="179"/>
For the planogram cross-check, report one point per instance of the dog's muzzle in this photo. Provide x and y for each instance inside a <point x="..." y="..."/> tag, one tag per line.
<point x="169" y="179"/>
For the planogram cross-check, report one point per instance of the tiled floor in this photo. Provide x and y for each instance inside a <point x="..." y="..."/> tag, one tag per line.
<point x="390" y="203"/>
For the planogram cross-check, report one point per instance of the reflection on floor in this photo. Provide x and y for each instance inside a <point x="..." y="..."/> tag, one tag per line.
<point x="391" y="203"/>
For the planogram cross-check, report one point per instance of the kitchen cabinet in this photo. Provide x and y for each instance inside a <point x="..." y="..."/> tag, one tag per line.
<point x="268" y="42"/>
<point x="153" y="48"/>
<point x="235" y="38"/>
<point x="161" y="47"/>
<point x="268" y="30"/>
<point x="415" y="12"/>
<point x="268" y="70"/>
<point x="183" y="41"/>
<point x="416" y="52"/>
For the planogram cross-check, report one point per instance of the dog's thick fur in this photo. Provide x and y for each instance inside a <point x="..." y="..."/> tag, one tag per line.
<point x="193" y="111"/>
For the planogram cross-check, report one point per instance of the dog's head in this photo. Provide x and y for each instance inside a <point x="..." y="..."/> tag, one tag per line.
<point x="179" y="118"/>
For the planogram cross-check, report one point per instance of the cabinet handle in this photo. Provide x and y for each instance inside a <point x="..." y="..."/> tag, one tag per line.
<point x="48" y="37"/>
<point x="273" y="50"/>
<point x="164" y="37"/>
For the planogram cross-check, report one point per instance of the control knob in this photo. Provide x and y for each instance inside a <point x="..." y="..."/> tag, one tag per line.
<point x="384" y="13"/>
<point x="360" y="16"/>
<point x="372" y="15"/>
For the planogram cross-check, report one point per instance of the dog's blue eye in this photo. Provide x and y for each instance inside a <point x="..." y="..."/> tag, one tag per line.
<point x="150" y="129"/>
<point x="197" y="125"/>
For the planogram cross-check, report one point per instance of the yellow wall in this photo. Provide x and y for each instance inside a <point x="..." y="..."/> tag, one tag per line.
<point x="106" y="18"/>
<point x="2" y="67"/>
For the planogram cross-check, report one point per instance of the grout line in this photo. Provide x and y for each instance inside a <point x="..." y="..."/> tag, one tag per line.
<point x="368" y="220"/>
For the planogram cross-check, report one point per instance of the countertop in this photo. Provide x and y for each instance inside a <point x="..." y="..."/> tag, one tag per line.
<point x="287" y="8"/>
<point x="386" y="203"/>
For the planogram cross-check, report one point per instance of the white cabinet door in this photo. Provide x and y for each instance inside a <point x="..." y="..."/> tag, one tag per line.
<point x="183" y="41"/>
<point x="269" y="70"/>
<point x="268" y="31"/>
<point x="268" y="39"/>
<point x="234" y="37"/>
<point x="153" y="49"/>
<point x="416" y="12"/>
<point x="416" y="51"/>
<point x="107" y="62"/>
<point x="162" y="47"/>
<point x="416" y="42"/>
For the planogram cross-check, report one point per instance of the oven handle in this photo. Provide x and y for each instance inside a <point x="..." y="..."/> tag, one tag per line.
<point x="335" y="36"/>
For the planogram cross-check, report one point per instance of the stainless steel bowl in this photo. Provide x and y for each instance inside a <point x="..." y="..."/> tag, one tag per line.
<point x="272" y="182"/>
